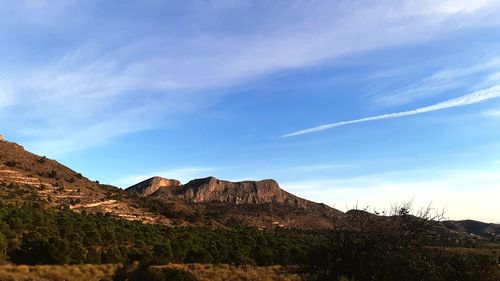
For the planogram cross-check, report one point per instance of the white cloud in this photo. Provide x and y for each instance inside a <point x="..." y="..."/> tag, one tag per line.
<point x="81" y="88"/>
<point x="472" y="98"/>
<point x="480" y="75"/>
<point x="464" y="6"/>
<point x="464" y="194"/>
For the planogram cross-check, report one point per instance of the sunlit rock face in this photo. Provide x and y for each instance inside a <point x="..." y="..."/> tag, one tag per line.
<point x="210" y="190"/>
<point x="151" y="185"/>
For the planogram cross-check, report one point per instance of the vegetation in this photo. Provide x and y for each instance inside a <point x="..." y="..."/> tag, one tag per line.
<point x="35" y="235"/>
<point x="108" y="272"/>
<point x="138" y="272"/>
<point x="400" y="246"/>
<point x="221" y="272"/>
<point x="85" y="272"/>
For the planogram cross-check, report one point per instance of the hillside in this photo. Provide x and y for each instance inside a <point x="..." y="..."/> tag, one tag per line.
<point x="472" y="227"/>
<point x="27" y="177"/>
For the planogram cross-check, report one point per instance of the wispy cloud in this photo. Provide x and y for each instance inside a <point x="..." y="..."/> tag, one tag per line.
<point x="480" y="75"/>
<point x="75" y="89"/>
<point x="472" y="98"/>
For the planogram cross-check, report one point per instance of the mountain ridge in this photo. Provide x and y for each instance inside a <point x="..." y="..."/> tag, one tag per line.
<point x="212" y="189"/>
<point x="256" y="203"/>
<point x="29" y="178"/>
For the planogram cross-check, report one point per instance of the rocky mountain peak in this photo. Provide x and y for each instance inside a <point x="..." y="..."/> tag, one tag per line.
<point x="213" y="190"/>
<point x="151" y="185"/>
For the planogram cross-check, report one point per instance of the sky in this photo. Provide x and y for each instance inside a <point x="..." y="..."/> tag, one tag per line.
<point x="349" y="103"/>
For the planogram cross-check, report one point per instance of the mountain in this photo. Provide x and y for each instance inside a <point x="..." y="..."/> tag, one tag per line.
<point x="209" y="190"/>
<point x="257" y="203"/>
<point x="151" y="185"/>
<point x="27" y="178"/>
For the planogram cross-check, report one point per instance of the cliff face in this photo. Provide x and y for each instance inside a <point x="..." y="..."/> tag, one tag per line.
<point x="213" y="190"/>
<point x="151" y="185"/>
<point x="246" y="192"/>
<point x="251" y="203"/>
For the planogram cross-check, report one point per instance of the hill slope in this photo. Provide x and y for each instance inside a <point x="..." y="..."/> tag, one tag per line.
<point x="27" y="177"/>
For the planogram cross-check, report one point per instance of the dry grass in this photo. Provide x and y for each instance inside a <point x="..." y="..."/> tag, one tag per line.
<point x="204" y="272"/>
<point x="223" y="272"/>
<point x="57" y="272"/>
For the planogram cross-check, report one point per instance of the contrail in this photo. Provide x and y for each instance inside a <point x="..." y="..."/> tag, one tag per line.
<point x="472" y="98"/>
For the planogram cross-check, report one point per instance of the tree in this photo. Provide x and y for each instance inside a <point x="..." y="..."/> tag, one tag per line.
<point x="396" y="247"/>
<point x="58" y="251"/>
<point x="162" y="252"/>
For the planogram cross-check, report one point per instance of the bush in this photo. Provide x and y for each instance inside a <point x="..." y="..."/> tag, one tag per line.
<point x="369" y="247"/>
<point x="52" y="174"/>
<point x="137" y="272"/>
<point x="12" y="164"/>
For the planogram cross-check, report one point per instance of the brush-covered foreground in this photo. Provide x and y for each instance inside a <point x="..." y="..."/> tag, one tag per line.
<point x="86" y="272"/>
<point x="200" y="272"/>
<point x="365" y="247"/>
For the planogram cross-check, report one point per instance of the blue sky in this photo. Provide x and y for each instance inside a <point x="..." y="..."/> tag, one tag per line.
<point x="342" y="102"/>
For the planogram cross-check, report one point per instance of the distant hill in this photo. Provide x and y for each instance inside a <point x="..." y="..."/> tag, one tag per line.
<point x="474" y="228"/>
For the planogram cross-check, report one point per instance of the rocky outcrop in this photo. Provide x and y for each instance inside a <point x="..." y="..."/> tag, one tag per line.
<point x="213" y="190"/>
<point x="151" y="185"/>
<point x="246" y="192"/>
